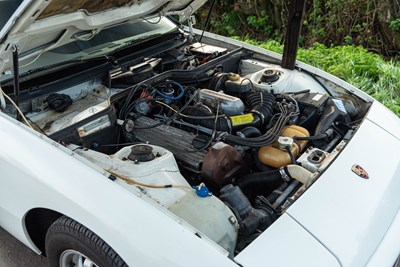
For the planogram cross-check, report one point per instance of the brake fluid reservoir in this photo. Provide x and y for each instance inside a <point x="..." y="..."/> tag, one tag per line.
<point x="276" y="155"/>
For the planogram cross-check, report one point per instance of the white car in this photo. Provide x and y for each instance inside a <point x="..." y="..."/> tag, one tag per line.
<point x="127" y="140"/>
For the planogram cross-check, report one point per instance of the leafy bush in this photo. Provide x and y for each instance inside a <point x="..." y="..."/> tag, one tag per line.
<point x="395" y="24"/>
<point x="372" y="24"/>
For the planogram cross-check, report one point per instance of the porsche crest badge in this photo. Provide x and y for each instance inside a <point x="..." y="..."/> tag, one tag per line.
<point x="357" y="169"/>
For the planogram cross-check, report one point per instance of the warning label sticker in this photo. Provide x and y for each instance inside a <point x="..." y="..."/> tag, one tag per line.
<point x="242" y="119"/>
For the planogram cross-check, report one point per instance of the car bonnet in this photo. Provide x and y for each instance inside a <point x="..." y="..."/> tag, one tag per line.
<point x="352" y="205"/>
<point x="40" y="25"/>
<point x="349" y="211"/>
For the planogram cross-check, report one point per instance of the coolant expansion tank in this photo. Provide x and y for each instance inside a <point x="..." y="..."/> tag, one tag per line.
<point x="276" y="157"/>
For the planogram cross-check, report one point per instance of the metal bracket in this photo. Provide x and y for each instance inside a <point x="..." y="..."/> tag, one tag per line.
<point x="284" y="176"/>
<point x="191" y="23"/>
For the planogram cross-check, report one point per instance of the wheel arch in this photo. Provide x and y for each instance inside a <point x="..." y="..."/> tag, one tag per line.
<point x="37" y="222"/>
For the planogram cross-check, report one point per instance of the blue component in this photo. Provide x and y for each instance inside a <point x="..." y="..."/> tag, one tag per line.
<point x="95" y="145"/>
<point x="202" y="190"/>
<point x="179" y="86"/>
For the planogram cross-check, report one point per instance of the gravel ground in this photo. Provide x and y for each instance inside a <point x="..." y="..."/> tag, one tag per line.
<point x="15" y="254"/>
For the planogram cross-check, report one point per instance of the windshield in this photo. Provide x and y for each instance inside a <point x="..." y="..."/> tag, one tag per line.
<point x="7" y="8"/>
<point x="103" y="43"/>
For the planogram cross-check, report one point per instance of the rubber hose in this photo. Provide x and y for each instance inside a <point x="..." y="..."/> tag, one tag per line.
<point x="260" y="182"/>
<point x="263" y="103"/>
<point x="265" y="182"/>
<point x="250" y="132"/>
<point x="217" y="80"/>
<point x="327" y="133"/>
<point x="261" y="106"/>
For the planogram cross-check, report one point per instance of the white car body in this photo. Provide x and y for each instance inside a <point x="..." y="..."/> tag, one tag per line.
<point x="340" y="220"/>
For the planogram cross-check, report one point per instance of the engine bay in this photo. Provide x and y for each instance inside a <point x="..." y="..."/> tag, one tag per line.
<point x="226" y="121"/>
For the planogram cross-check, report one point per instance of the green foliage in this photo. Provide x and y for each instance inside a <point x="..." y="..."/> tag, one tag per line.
<point x="228" y="24"/>
<point x="395" y="24"/>
<point x="354" y="64"/>
<point x="331" y="22"/>
<point x="340" y="22"/>
<point x="348" y="40"/>
<point x="260" y="23"/>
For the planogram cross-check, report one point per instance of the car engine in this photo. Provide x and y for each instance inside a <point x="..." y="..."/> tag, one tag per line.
<point x="221" y="130"/>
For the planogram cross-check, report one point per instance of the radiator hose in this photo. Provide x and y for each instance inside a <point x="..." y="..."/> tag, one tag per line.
<point x="265" y="182"/>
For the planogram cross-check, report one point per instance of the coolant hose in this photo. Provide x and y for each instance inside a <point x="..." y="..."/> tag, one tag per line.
<point x="255" y="183"/>
<point x="299" y="173"/>
<point x="262" y="182"/>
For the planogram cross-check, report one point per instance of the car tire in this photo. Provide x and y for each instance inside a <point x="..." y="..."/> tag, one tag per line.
<point x="68" y="243"/>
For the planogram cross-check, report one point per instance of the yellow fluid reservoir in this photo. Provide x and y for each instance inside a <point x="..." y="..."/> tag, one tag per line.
<point x="275" y="157"/>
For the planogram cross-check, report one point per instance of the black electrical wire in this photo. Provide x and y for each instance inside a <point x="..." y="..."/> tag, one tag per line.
<point x="266" y="139"/>
<point x="319" y="82"/>
<point x="134" y="103"/>
<point x="307" y="119"/>
<point x="292" y="158"/>
<point x="132" y="93"/>
<point x="313" y="137"/>
<point x="169" y="118"/>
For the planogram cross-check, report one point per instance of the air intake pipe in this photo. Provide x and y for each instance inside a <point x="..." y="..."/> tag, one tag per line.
<point x="330" y="115"/>
<point x="260" y="104"/>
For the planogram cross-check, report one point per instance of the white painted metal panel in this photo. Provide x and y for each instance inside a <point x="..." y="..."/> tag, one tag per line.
<point x="348" y="214"/>
<point x="286" y="244"/>
<point x="37" y="172"/>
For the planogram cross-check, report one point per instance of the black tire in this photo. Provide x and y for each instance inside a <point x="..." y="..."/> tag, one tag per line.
<point x="68" y="236"/>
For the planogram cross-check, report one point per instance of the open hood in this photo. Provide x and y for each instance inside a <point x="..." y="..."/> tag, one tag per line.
<point x="41" y="25"/>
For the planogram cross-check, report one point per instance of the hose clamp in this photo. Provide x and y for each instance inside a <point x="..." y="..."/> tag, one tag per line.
<point x="284" y="175"/>
<point x="262" y="117"/>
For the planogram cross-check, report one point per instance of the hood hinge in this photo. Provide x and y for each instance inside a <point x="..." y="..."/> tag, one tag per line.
<point x="191" y="23"/>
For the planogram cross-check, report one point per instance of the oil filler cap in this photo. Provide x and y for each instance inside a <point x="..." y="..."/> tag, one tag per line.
<point x="141" y="153"/>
